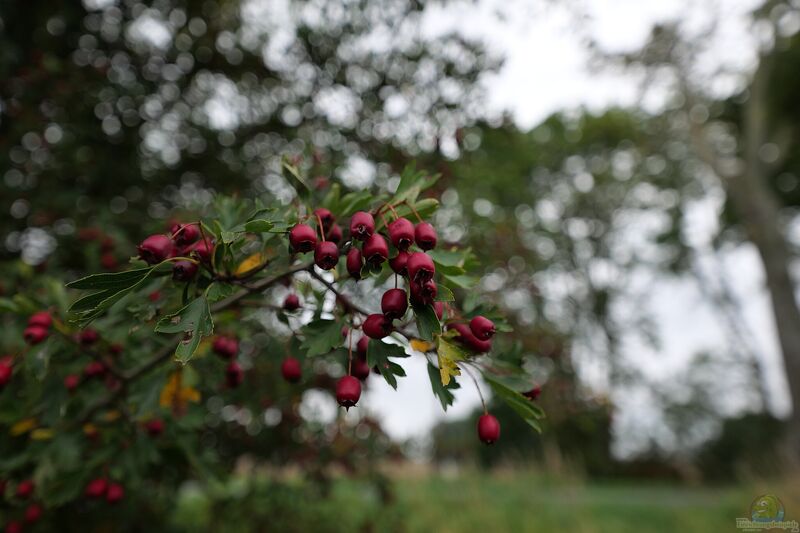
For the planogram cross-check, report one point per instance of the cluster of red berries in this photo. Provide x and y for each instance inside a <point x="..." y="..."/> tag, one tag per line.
<point x="38" y="328"/>
<point x="100" y="488"/>
<point x="33" y="512"/>
<point x="228" y="348"/>
<point x="107" y="258"/>
<point x="184" y="241"/>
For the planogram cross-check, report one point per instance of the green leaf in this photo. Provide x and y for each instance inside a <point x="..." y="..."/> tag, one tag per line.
<point x="528" y="410"/>
<point x="443" y="294"/>
<point x="292" y="175"/>
<point x="427" y="323"/>
<point x="378" y="354"/>
<point x="321" y="336"/>
<point x="194" y="321"/>
<point x="111" y="280"/>
<point x="258" y="226"/>
<point x="462" y="282"/>
<point x="219" y="291"/>
<point x="441" y="391"/>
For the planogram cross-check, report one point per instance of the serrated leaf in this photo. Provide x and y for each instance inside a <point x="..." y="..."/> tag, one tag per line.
<point x="321" y="336"/>
<point x="194" y="321"/>
<point x="427" y="322"/>
<point x="111" y="280"/>
<point x="378" y="354"/>
<point x="442" y="392"/>
<point x="443" y="294"/>
<point x="258" y="226"/>
<point x="219" y="291"/>
<point x="529" y="411"/>
<point x="448" y="355"/>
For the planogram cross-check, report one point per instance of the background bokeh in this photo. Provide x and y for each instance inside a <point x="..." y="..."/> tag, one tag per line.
<point x="626" y="173"/>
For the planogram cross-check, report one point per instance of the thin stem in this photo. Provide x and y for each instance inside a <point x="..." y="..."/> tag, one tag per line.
<point x="350" y="352"/>
<point x="475" y="381"/>
<point x="393" y="211"/>
<point x="419" y="218"/>
<point x="321" y="227"/>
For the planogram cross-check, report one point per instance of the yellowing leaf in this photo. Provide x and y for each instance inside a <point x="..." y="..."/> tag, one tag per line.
<point x="110" y="416"/>
<point x="42" y="434"/>
<point x="22" y="427"/>
<point x="421" y="345"/>
<point x="251" y="263"/>
<point x="174" y="395"/>
<point x="89" y="429"/>
<point x="448" y="354"/>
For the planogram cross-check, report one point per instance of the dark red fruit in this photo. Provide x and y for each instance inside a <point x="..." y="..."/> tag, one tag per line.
<point x="488" y="429"/>
<point x="354" y="263"/>
<point x="375" y="249"/>
<point x="34" y="335"/>
<point x="334" y="233"/>
<point x="291" y="303"/>
<point x="94" y="369"/>
<point x="96" y="488"/>
<point x="186" y="234"/>
<point x="115" y="493"/>
<point x="348" y="391"/>
<point x="534" y="393"/>
<point x="6" y="371"/>
<point x="438" y="308"/>
<point x="155" y="249"/>
<point x="424" y="293"/>
<point x="482" y="328"/>
<point x="41" y="319"/>
<point x="425" y="236"/>
<point x="154" y="427"/>
<point x="401" y="233"/>
<point x="302" y="238"/>
<point x="25" y="489"/>
<point x="420" y="267"/>
<point x="326" y="255"/>
<point x="115" y="348"/>
<point x="394" y="303"/>
<point x="108" y="261"/>
<point x="13" y="527"/>
<point x="33" y="513"/>
<point x="360" y="369"/>
<point x="377" y="326"/>
<point x="399" y="262"/>
<point x="361" y="347"/>
<point x="225" y="347"/>
<point x="469" y="340"/>
<point x="362" y="225"/>
<point x="71" y="382"/>
<point x="203" y="249"/>
<point x="184" y="270"/>
<point x="234" y="374"/>
<point x="88" y="337"/>
<point x="325" y="216"/>
<point x="154" y="296"/>
<point x="291" y="370"/>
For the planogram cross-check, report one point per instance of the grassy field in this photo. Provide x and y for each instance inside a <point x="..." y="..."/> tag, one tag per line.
<point x="527" y="503"/>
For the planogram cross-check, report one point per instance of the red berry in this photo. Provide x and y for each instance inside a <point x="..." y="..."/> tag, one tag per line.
<point x="154" y="427"/>
<point x="234" y="374"/>
<point x="325" y="216"/>
<point x="334" y="233"/>
<point x="115" y="348"/>
<point x="488" y="429"/>
<point x="425" y="236"/>
<point x="291" y="370"/>
<point x="41" y="319"/>
<point x="394" y="303"/>
<point x="375" y="249"/>
<point x="186" y="234"/>
<point x="225" y="347"/>
<point x="354" y="263"/>
<point x="361" y="347"/>
<point x="108" y="261"/>
<point x="88" y="337"/>
<point x="13" y="527"/>
<point x="34" y="335"/>
<point x="399" y="262"/>
<point x="360" y="369"/>
<point x="94" y="369"/>
<point x="482" y="328"/>
<point x="362" y="225"/>
<point x="466" y="337"/>
<point x="302" y="238"/>
<point x="326" y="255"/>
<point x="155" y="249"/>
<point x="534" y="393"/>
<point x="423" y="293"/>
<point x="184" y="270"/>
<point x="115" y="493"/>
<point x="33" y="513"/>
<point x="377" y="326"/>
<point x="438" y="307"/>
<point x="203" y="249"/>
<point x="291" y="303"/>
<point x="348" y="391"/>
<point x="154" y="296"/>
<point x="401" y="233"/>
<point x="71" y="382"/>
<point x="25" y="489"/>
<point x="6" y="371"/>
<point x="96" y="488"/>
<point x="420" y="267"/>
